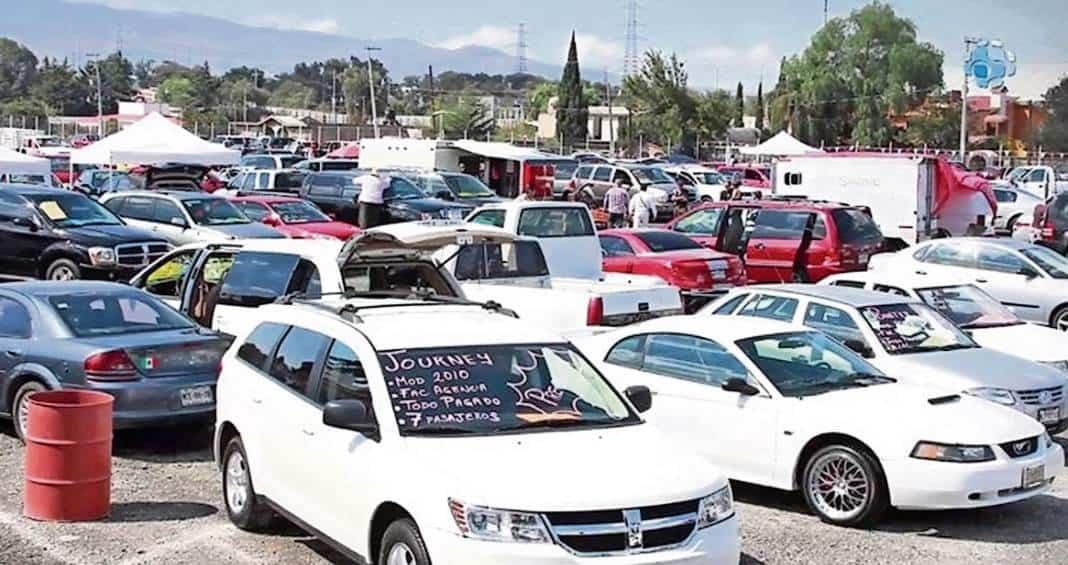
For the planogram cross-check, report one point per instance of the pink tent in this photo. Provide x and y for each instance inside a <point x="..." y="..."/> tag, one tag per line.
<point x="350" y="151"/>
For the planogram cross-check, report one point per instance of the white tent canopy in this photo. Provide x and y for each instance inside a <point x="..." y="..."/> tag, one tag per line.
<point x="154" y="139"/>
<point x="781" y="144"/>
<point x="15" y="163"/>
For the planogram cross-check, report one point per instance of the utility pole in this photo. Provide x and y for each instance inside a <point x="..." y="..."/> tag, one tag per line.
<point x="333" y="97"/>
<point x="968" y="43"/>
<point x="95" y="58"/>
<point x="371" y="84"/>
<point x="611" y="121"/>
<point x="825" y="10"/>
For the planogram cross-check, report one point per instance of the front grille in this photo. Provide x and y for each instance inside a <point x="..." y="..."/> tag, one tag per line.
<point x="140" y="254"/>
<point x="601" y="532"/>
<point x="1041" y="396"/>
<point x="1021" y="448"/>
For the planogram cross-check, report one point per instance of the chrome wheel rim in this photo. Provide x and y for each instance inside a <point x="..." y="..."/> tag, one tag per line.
<point x="62" y="273"/>
<point x="23" y="413"/>
<point x="400" y="554"/>
<point x="1061" y="323"/>
<point x="236" y="482"/>
<point x="839" y="486"/>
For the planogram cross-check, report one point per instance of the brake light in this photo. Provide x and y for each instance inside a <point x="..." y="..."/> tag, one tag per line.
<point x="110" y="366"/>
<point x="595" y="311"/>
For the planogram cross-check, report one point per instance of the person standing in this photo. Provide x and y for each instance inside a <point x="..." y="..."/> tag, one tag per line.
<point x="372" y="193"/>
<point x="642" y="208"/>
<point x="615" y="203"/>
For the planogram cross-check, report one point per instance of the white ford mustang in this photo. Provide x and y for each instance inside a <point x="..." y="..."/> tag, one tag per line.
<point x="796" y="410"/>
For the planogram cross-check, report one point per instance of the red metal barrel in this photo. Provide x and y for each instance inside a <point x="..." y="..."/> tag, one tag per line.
<point x="68" y="456"/>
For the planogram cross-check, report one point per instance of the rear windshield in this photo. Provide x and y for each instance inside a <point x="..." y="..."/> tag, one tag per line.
<point x="299" y="212"/>
<point x="329" y="165"/>
<point x="288" y="180"/>
<point x="501" y="260"/>
<point x="555" y="222"/>
<point x="660" y="241"/>
<point x="288" y="162"/>
<point x="856" y="227"/>
<point x="115" y="314"/>
<point x="214" y="212"/>
<point x="651" y="175"/>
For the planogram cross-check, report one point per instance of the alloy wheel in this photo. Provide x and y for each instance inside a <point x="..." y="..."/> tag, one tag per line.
<point x="839" y="486"/>
<point x="22" y="414"/>
<point x="1061" y="322"/>
<point x="400" y="554"/>
<point x="236" y="482"/>
<point x="62" y="273"/>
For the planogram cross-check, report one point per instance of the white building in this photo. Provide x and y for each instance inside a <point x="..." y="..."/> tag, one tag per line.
<point x="604" y="123"/>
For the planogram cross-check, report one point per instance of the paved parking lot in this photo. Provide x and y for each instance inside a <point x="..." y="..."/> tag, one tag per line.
<point x="167" y="509"/>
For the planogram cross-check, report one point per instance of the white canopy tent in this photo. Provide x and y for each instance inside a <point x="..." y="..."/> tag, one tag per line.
<point x="15" y="163"/>
<point x="154" y="139"/>
<point x="781" y="144"/>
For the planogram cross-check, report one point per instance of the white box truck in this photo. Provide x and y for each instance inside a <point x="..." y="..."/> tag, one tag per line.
<point x="911" y="197"/>
<point x="404" y="153"/>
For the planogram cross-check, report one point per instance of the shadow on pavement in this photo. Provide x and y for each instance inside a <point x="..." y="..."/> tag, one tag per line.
<point x="750" y="560"/>
<point x="325" y="551"/>
<point x="181" y="444"/>
<point x="159" y="511"/>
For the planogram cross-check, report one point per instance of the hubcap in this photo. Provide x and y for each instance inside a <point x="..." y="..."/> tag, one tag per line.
<point x="236" y="482"/>
<point x="62" y="273"/>
<point x="23" y="410"/>
<point x="400" y="554"/>
<point x="839" y="486"/>
<point x="1061" y="323"/>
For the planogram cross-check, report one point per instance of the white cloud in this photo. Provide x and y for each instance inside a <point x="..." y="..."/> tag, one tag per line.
<point x="595" y="52"/>
<point x="758" y="54"/>
<point x="495" y="37"/>
<point x="280" y="21"/>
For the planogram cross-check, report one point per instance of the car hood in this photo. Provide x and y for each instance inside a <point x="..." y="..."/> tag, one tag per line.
<point x="108" y="236"/>
<point x="340" y="230"/>
<point x="967" y="368"/>
<point x="1032" y="342"/>
<point x="949" y="419"/>
<point x="253" y="230"/>
<point x="568" y="470"/>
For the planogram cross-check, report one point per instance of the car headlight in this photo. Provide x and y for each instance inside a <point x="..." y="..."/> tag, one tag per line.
<point x="715" y="507"/>
<point x="999" y="395"/>
<point x="952" y="453"/>
<point x="1062" y="365"/>
<point x="490" y="524"/>
<point x="102" y="256"/>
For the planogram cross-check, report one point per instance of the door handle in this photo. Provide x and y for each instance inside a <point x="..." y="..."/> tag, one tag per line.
<point x="759" y="246"/>
<point x="257" y="400"/>
<point x="308" y="433"/>
<point x="921" y="272"/>
<point x="13" y="352"/>
<point x="981" y="280"/>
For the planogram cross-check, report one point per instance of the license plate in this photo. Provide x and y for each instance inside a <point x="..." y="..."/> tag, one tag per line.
<point x="1049" y="415"/>
<point x="1033" y="476"/>
<point x="196" y="396"/>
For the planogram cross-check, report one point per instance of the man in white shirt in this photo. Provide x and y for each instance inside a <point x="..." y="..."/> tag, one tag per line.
<point x="642" y="208"/>
<point x="372" y="192"/>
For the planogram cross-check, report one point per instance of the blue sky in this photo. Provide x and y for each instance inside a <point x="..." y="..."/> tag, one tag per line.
<point x="721" y="41"/>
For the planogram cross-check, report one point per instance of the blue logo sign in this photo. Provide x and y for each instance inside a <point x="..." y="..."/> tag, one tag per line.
<point x="990" y="64"/>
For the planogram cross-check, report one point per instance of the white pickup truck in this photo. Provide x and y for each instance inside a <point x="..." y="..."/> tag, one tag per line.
<point x="1040" y="180"/>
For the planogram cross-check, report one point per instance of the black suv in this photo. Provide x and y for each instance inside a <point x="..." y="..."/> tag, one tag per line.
<point x="56" y="234"/>
<point x="336" y="193"/>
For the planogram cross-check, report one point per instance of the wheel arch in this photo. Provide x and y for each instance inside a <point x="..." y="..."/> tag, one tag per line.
<point x="61" y="250"/>
<point x="1055" y="311"/>
<point x="22" y="374"/>
<point x="823" y="440"/>
<point x="386" y="513"/>
<point x="224" y="432"/>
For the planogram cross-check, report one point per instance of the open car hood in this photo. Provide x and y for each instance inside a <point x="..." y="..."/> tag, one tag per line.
<point x="417" y="239"/>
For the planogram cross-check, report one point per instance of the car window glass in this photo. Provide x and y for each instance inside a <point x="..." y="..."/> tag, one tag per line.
<point x="166" y="279"/>
<point x="833" y="321"/>
<point x="583" y="172"/>
<point x="779" y="224"/>
<point x="1004" y="196"/>
<point x="14" y="319"/>
<point x="248" y="182"/>
<point x="253" y="210"/>
<point x="615" y="246"/>
<point x="992" y="258"/>
<point x="293" y="363"/>
<point x="489" y="218"/>
<point x="889" y="289"/>
<point x="731" y="305"/>
<point x="849" y="284"/>
<point x="257" y="278"/>
<point x="323" y="186"/>
<point x="1037" y="175"/>
<point x="702" y="221"/>
<point x="168" y="213"/>
<point x="128" y="312"/>
<point x="693" y="359"/>
<point x="264" y="181"/>
<point x="555" y="222"/>
<point x="949" y="254"/>
<point x="259" y="344"/>
<point x="343" y="377"/>
<point x="139" y="208"/>
<point x="628" y="352"/>
<point x="771" y="307"/>
<point x="603" y="174"/>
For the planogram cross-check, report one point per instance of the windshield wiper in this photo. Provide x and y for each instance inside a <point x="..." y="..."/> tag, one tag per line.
<point x="950" y="347"/>
<point x="558" y="423"/>
<point x="865" y="379"/>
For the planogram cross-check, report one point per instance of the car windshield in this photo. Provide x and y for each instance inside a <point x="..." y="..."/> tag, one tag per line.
<point x="93" y="314"/>
<point x="288" y="161"/>
<point x="660" y="241"/>
<point x="651" y="175"/>
<point x="709" y="178"/>
<point x="1054" y="264"/>
<point x="1019" y="173"/>
<point x="856" y="227"/>
<point x="214" y="212"/>
<point x="299" y="212"/>
<point x="905" y="328"/>
<point x="401" y="188"/>
<point x="71" y="210"/>
<point x="467" y="186"/>
<point x="808" y="363"/>
<point x="498" y="389"/>
<point x="968" y="307"/>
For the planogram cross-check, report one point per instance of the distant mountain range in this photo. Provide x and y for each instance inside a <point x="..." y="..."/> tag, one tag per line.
<point x="63" y="29"/>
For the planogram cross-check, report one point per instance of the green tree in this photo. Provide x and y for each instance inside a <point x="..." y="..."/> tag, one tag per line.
<point x="116" y="80"/>
<point x="354" y="90"/>
<point x="739" y="106"/>
<point x="18" y="68"/>
<point x="466" y="118"/>
<point x="178" y="91"/>
<point x="60" y="88"/>
<point x="538" y="98"/>
<point x="292" y="94"/>
<point x="661" y="106"/>
<point x="1054" y="133"/>
<point x="714" y="114"/>
<point x="760" y="106"/>
<point x="143" y="73"/>
<point x="28" y="109"/>
<point x="572" y="111"/>
<point x="938" y="125"/>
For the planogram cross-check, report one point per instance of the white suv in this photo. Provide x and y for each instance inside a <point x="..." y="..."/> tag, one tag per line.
<point x="399" y="441"/>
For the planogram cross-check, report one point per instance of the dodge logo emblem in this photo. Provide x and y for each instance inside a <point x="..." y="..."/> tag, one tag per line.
<point x="633" y="520"/>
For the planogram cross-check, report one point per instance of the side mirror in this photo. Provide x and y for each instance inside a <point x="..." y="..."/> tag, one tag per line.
<point x="1030" y="273"/>
<point x="640" y="396"/>
<point x="27" y="222"/>
<point x="350" y="415"/>
<point x="445" y="195"/>
<point x="859" y="347"/>
<point x="179" y="222"/>
<point x="741" y="387"/>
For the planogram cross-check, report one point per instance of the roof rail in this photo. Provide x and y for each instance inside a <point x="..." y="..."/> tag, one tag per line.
<point x="348" y="311"/>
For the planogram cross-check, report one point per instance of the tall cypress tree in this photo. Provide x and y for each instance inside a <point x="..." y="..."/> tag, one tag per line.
<point x="572" y="113"/>
<point x="739" y="107"/>
<point x="760" y="106"/>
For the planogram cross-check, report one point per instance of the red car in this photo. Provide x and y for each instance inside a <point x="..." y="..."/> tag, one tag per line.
<point x="294" y="217"/>
<point x="751" y="176"/>
<point x="771" y="236"/>
<point x="674" y="258"/>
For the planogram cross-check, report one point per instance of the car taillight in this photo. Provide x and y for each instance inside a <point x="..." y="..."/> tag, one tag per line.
<point x="595" y="312"/>
<point x="110" y="366"/>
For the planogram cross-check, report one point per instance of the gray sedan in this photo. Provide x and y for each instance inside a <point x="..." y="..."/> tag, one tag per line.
<point x="160" y="367"/>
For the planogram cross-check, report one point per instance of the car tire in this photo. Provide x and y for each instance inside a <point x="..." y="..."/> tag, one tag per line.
<point x="19" y="408"/>
<point x="243" y="506"/>
<point x="402" y="544"/>
<point x="845" y="486"/>
<point x="63" y="270"/>
<point x="1059" y="319"/>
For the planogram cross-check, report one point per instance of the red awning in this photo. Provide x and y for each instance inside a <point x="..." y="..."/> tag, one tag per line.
<point x="350" y="151"/>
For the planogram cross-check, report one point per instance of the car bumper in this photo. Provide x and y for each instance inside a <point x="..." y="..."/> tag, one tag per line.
<point x="713" y="545"/>
<point x="156" y="401"/>
<point x="931" y="485"/>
